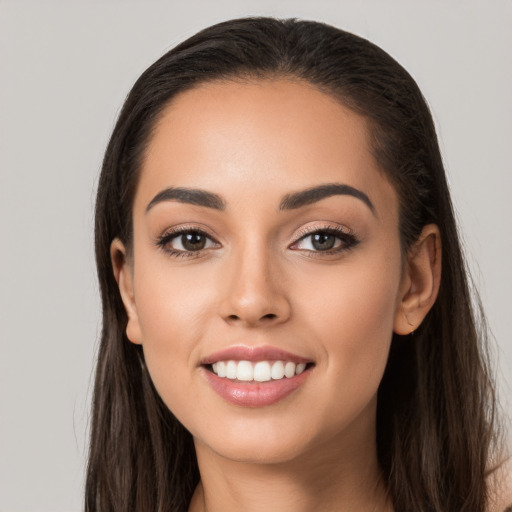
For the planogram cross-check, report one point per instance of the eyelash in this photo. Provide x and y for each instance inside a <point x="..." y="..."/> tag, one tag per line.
<point x="169" y="236"/>
<point x="347" y="238"/>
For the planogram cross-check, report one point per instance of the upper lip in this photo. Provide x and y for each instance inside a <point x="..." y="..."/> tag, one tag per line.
<point x="245" y="353"/>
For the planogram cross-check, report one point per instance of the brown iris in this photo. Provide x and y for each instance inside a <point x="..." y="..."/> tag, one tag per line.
<point x="193" y="241"/>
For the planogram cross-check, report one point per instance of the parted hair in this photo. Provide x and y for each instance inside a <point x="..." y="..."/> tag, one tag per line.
<point x="436" y="403"/>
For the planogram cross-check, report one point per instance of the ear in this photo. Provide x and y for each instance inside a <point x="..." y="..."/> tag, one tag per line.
<point x="123" y="273"/>
<point x="420" y="281"/>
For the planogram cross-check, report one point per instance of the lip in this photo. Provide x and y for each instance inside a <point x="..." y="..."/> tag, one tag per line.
<point x="253" y="354"/>
<point x="254" y="394"/>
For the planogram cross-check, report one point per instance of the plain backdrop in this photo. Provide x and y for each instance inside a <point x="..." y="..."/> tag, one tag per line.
<point x="65" y="68"/>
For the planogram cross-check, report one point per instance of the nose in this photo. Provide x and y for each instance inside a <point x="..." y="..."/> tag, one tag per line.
<point x="254" y="291"/>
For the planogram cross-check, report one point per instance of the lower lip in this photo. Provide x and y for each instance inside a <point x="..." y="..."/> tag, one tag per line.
<point x="255" y="394"/>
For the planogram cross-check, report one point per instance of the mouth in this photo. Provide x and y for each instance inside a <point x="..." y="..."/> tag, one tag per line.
<point x="255" y="376"/>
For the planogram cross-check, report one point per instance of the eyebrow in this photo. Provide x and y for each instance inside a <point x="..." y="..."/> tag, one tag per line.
<point x="315" y="194"/>
<point x="289" y="202"/>
<point x="189" y="196"/>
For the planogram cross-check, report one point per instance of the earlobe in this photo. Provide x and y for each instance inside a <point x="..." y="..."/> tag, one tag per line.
<point x="420" y="281"/>
<point x="124" y="277"/>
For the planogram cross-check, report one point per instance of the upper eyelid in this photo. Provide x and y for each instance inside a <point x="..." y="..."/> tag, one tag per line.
<point x="179" y="230"/>
<point x="333" y="228"/>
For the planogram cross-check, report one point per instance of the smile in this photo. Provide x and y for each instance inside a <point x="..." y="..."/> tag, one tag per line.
<point x="260" y="371"/>
<point x="255" y="376"/>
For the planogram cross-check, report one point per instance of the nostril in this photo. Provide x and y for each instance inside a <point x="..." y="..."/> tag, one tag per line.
<point x="246" y="318"/>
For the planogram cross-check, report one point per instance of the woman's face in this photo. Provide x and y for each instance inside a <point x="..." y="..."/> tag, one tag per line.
<point x="264" y="232"/>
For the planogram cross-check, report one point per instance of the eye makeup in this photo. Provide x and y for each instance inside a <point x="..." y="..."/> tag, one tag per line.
<point x="325" y="240"/>
<point x="192" y="242"/>
<point x="186" y="242"/>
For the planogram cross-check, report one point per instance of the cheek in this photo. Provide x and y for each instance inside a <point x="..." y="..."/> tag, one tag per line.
<point x="353" y="317"/>
<point x="172" y="300"/>
<point x="173" y="309"/>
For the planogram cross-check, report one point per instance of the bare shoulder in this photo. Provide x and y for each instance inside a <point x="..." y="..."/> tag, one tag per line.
<point x="500" y="481"/>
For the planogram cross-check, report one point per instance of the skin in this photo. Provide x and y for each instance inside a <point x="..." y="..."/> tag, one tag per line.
<point x="259" y="283"/>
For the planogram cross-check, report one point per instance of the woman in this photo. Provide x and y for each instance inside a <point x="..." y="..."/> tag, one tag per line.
<point x="271" y="223"/>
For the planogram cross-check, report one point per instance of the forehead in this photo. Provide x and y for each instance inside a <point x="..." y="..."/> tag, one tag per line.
<point x="262" y="137"/>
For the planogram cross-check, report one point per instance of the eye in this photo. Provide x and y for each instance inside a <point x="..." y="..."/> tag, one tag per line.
<point x="328" y="240"/>
<point x="184" y="242"/>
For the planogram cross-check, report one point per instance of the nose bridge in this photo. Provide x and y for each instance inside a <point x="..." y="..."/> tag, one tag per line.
<point x="254" y="291"/>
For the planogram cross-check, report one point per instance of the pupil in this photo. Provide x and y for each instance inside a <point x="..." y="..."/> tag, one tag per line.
<point x="323" y="241"/>
<point x="193" y="241"/>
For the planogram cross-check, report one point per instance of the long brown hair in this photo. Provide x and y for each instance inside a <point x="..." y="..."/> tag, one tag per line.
<point x="435" y="418"/>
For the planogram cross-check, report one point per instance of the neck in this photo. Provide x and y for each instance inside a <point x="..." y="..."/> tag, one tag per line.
<point x="336" y="476"/>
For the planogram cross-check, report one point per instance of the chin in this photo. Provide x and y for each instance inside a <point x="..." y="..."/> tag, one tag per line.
<point x="260" y="453"/>
<point x="261" y="442"/>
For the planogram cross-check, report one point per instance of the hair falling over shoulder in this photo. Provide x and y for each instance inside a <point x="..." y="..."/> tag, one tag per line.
<point x="436" y="418"/>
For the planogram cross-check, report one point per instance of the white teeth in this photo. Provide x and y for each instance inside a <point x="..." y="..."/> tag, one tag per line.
<point x="278" y="370"/>
<point x="244" y="371"/>
<point x="261" y="371"/>
<point x="289" y="369"/>
<point x="231" y="369"/>
<point x="221" y="369"/>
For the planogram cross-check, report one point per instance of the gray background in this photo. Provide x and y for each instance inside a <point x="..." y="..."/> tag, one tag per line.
<point x="65" y="68"/>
